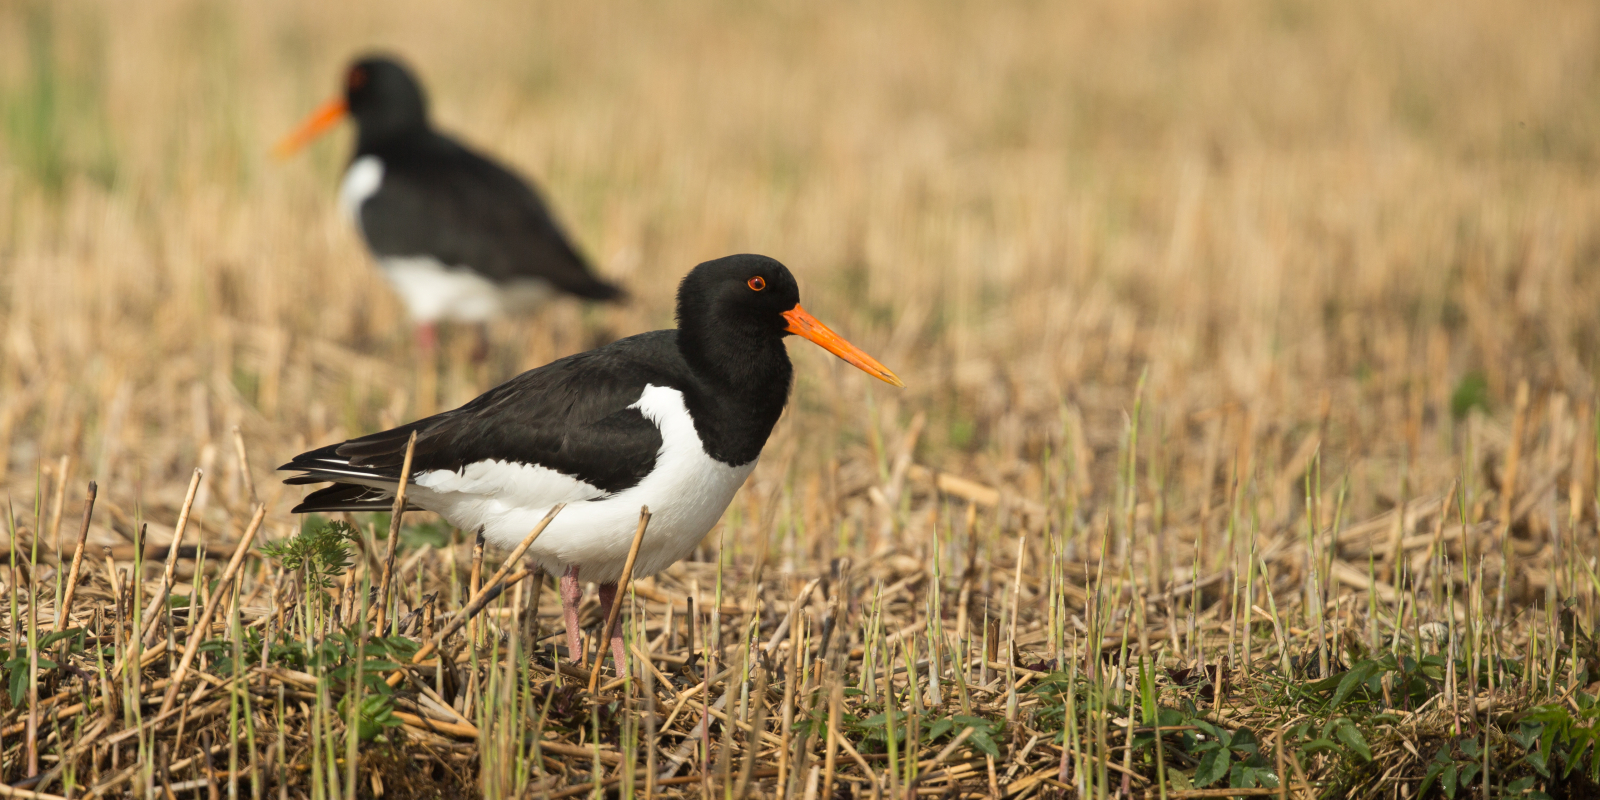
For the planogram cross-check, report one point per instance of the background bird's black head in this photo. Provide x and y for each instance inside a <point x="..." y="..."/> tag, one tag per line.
<point x="747" y="293"/>
<point x="385" y="99"/>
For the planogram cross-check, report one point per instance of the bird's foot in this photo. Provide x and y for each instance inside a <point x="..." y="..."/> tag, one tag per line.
<point x="608" y="595"/>
<point x="571" y="595"/>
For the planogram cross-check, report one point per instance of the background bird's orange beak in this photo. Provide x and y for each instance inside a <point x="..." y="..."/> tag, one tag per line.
<point x="803" y="324"/>
<point x="325" y="117"/>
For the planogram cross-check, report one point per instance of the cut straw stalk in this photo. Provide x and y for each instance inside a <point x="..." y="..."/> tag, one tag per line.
<point x="482" y="598"/>
<point x="65" y="612"/>
<point x="244" y="464"/>
<point x="396" y="512"/>
<point x="168" y="575"/>
<point x="7" y="791"/>
<point x="204" y="624"/>
<point x="616" y="601"/>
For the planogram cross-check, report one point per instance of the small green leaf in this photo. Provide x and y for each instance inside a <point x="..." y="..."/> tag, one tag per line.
<point x="1537" y="760"/>
<point x="1242" y="777"/>
<point x="1434" y="769"/>
<point x="1354" y="679"/>
<point x="19" y="686"/>
<point x="1472" y="391"/>
<point x="56" y="637"/>
<point x="1259" y="776"/>
<point x="1212" y="767"/>
<point x="1353" y="739"/>
<point x="981" y="740"/>
<point x="1147" y="694"/>
<point x="1447" y="780"/>
<point x="375" y="714"/>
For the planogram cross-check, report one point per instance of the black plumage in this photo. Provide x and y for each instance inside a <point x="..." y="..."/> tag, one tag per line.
<point x="432" y="197"/>
<point x="572" y="415"/>
<point x="442" y="199"/>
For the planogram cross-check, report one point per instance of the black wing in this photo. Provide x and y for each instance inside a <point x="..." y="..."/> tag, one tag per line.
<point x="446" y="201"/>
<point x="571" y="416"/>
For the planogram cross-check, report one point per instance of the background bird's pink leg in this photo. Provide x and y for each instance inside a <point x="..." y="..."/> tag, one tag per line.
<point x="571" y="595"/>
<point x="608" y="595"/>
<point x="480" y="350"/>
<point x="427" y="337"/>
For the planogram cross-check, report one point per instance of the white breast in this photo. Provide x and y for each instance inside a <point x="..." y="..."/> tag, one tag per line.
<point x="687" y="492"/>
<point x="433" y="291"/>
<point x="361" y="181"/>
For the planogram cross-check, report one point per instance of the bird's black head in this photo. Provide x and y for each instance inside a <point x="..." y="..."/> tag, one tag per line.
<point x="385" y="99"/>
<point x="744" y="293"/>
<point x="734" y="312"/>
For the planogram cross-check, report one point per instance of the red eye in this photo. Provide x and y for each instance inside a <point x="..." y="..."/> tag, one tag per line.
<point x="757" y="283"/>
<point x="358" y="78"/>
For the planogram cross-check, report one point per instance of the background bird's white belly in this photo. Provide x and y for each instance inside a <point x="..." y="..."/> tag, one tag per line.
<point x="686" y="492"/>
<point x="433" y="291"/>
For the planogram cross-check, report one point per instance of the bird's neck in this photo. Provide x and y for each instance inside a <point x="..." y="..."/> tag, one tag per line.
<point x="742" y="363"/>
<point x="747" y="381"/>
<point x="379" y="139"/>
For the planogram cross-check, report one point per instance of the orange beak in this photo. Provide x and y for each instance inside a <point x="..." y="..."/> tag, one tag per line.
<point x="325" y="117"/>
<point x="803" y="324"/>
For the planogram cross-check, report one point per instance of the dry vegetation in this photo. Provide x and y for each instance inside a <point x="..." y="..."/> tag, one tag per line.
<point x="1249" y="439"/>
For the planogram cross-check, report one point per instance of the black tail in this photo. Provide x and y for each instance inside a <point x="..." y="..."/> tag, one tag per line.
<point x="597" y="289"/>
<point x="348" y="497"/>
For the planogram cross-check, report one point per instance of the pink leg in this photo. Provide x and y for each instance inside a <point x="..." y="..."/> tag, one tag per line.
<point x="571" y="595"/>
<point x="427" y="337"/>
<point x="480" y="350"/>
<point x="608" y="595"/>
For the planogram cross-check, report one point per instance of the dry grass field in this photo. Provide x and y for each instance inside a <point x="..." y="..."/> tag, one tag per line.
<point x="1248" y="445"/>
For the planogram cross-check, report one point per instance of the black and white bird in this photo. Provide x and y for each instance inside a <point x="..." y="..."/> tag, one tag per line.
<point x="460" y="237"/>
<point x="672" y="419"/>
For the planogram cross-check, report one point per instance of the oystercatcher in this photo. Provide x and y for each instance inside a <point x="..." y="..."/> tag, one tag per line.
<point x="460" y="237"/>
<point x="672" y="419"/>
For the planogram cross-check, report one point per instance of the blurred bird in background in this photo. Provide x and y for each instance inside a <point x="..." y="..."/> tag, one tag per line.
<point x="460" y="237"/>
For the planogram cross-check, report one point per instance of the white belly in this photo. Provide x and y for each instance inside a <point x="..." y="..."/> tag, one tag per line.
<point x="686" y="493"/>
<point x="432" y="291"/>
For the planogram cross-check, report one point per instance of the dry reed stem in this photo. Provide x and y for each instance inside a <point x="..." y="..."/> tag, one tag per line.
<point x="65" y="611"/>
<point x="483" y="596"/>
<point x="204" y="625"/>
<point x="396" y="513"/>
<point x="157" y="608"/>
<point x="616" y="602"/>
